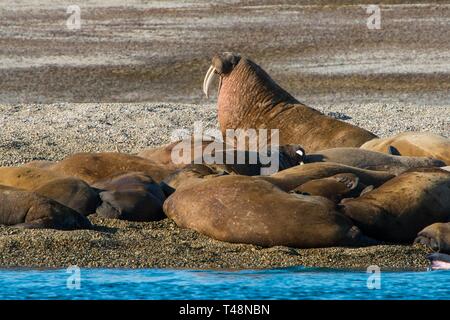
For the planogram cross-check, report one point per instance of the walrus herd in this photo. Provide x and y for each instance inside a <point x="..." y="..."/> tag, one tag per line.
<point x="337" y="184"/>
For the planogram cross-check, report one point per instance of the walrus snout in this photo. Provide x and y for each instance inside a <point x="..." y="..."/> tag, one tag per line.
<point x="221" y="64"/>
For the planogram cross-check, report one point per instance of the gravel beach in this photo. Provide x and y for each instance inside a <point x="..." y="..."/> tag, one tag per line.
<point x="51" y="132"/>
<point x="132" y="74"/>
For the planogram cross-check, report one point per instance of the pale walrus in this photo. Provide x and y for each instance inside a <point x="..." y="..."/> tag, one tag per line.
<point x="92" y="167"/>
<point x="291" y="178"/>
<point x="371" y="160"/>
<point x="243" y="209"/>
<point x="133" y="196"/>
<point x="400" y="208"/>
<point x="417" y="144"/>
<point x="249" y="99"/>
<point x="71" y="192"/>
<point x="29" y="210"/>
<point x="436" y="236"/>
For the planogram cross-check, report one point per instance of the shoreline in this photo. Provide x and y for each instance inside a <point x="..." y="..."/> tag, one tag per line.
<point x="132" y="245"/>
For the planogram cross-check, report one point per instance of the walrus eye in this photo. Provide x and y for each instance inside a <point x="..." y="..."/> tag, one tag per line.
<point x="208" y="80"/>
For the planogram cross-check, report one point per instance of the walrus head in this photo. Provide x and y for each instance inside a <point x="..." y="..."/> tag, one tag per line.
<point x="245" y="91"/>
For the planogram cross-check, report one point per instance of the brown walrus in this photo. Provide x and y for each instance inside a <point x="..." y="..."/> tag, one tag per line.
<point x="249" y="99"/>
<point x="29" y="210"/>
<point x="133" y="196"/>
<point x="435" y="236"/>
<point x="291" y="178"/>
<point x="400" y="208"/>
<point x="417" y="144"/>
<point x="92" y="167"/>
<point x="243" y="209"/>
<point x="333" y="188"/>
<point x="371" y="160"/>
<point x="71" y="192"/>
<point x="286" y="156"/>
<point x="193" y="174"/>
<point x="27" y="178"/>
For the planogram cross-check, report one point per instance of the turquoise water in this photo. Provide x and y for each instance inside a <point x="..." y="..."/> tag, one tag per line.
<point x="290" y="283"/>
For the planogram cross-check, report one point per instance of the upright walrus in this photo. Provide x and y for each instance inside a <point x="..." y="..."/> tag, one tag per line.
<point x="244" y="209"/>
<point x="403" y="206"/>
<point x="249" y="99"/>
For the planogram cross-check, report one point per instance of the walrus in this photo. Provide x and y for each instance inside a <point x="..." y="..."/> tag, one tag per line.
<point x="27" y="178"/>
<point x="192" y="174"/>
<point x="397" y="210"/>
<point x="71" y="192"/>
<point x="435" y="236"/>
<point x="26" y="209"/>
<point x="92" y="167"/>
<point x="249" y="99"/>
<point x="291" y="178"/>
<point x="371" y="160"/>
<point x="286" y="156"/>
<point x="132" y="196"/>
<point x="417" y="144"/>
<point x="242" y="209"/>
<point x="333" y="188"/>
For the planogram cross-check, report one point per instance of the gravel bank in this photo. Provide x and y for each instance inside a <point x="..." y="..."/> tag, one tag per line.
<point x="162" y="244"/>
<point x="53" y="131"/>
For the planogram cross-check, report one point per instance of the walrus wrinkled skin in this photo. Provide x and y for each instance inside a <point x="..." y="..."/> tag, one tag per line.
<point x="29" y="210"/>
<point x="242" y="209"/>
<point x="371" y="160"/>
<point x="133" y="196"/>
<point x="436" y="236"/>
<point x="417" y="144"/>
<point x="333" y="188"/>
<point x="71" y="192"/>
<point x="286" y="154"/>
<point x="92" y="167"/>
<point x="249" y="99"/>
<point x="400" y="208"/>
<point x="291" y="178"/>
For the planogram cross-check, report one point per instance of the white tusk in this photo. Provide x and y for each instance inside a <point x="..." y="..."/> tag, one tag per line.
<point x="208" y="80"/>
<point x="206" y="77"/>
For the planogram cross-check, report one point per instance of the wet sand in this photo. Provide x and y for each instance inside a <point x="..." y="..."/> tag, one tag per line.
<point x="321" y="51"/>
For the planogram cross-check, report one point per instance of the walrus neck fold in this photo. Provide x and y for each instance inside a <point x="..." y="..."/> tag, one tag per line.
<point x="248" y="92"/>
